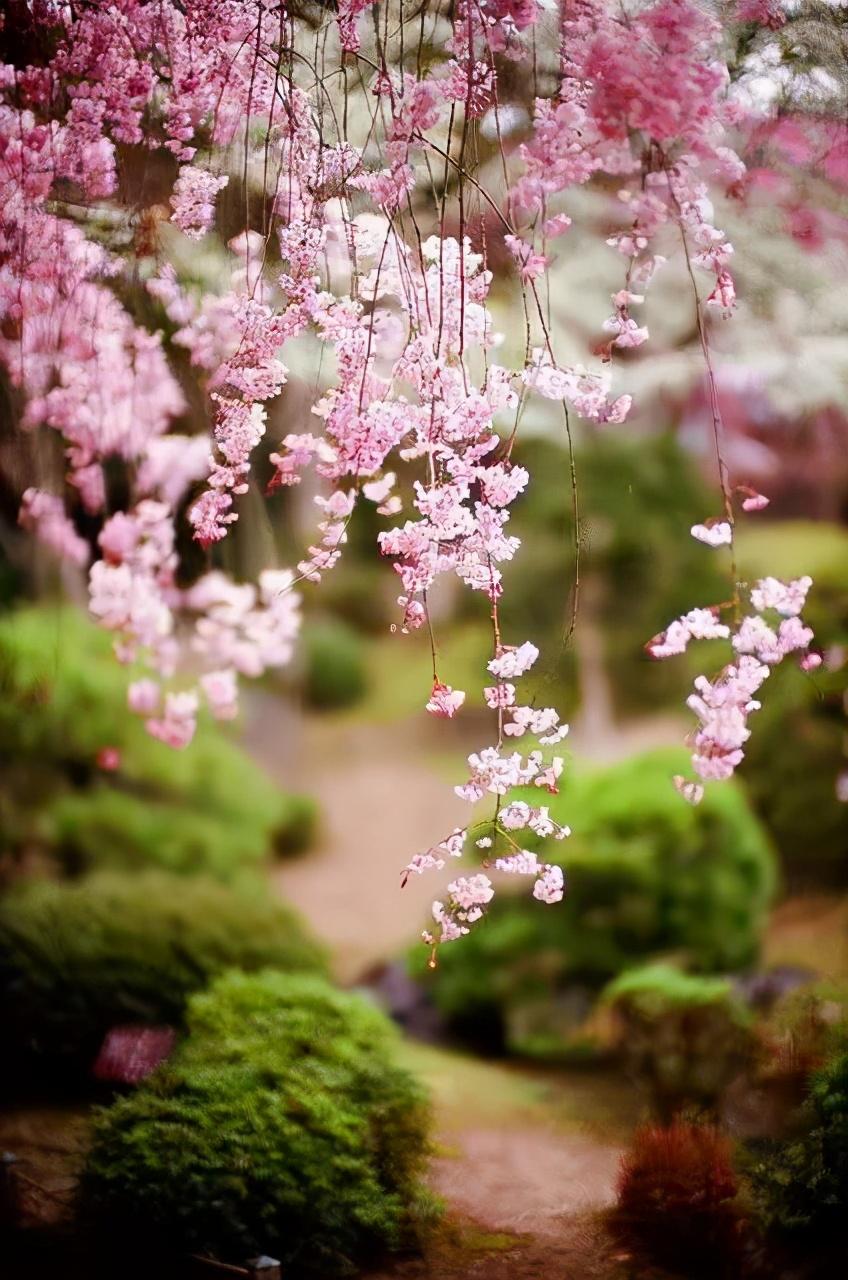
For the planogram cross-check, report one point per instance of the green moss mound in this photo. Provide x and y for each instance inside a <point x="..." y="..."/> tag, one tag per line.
<point x="77" y="958"/>
<point x="683" y="1036"/>
<point x="280" y="1126"/>
<point x="62" y="699"/>
<point x="646" y="874"/>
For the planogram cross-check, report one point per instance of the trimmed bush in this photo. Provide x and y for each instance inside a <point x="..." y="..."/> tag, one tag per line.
<point x="62" y="699"/>
<point x="677" y="1199"/>
<point x="685" y="1037"/>
<point x="801" y="1187"/>
<point x="646" y="875"/>
<point x="79" y="958"/>
<point x="281" y="1126"/>
<point x="334" y="665"/>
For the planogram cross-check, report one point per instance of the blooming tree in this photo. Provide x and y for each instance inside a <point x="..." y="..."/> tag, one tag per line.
<point x="386" y="156"/>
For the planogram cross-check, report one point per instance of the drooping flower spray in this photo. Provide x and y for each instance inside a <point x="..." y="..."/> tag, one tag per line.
<point x="353" y="137"/>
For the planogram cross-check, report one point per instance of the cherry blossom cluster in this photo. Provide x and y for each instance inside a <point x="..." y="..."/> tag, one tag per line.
<point x="135" y="74"/>
<point x="643" y="99"/>
<point x="497" y="772"/>
<point x="759" y="640"/>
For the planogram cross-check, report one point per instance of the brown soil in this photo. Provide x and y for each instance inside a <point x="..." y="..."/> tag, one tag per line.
<point x="378" y="804"/>
<point x="583" y="1251"/>
<point x="49" y="1144"/>
<point x="526" y="1181"/>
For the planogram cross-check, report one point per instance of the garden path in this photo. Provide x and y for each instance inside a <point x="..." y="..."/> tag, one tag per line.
<point x="532" y="1179"/>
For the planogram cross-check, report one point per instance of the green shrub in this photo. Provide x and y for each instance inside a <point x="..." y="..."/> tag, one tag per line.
<point x="802" y="719"/>
<point x="107" y="828"/>
<point x="281" y="1125"/>
<point x="78" y="958"/>
<point x="103" y="827"/>
<point x="684" y="1037"/>
<point x="334" y="665"/>
<point x="677" y="1199"/>
<point x="646" y="874"/>
<point x="62" y="699"/>
<point x="801" y="1187"/>
<point x="360" y="593"/>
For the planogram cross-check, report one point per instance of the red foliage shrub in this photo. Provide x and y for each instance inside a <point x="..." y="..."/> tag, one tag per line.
<point x="677" y="1197"/>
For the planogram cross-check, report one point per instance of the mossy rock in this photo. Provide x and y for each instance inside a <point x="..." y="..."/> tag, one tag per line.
<point x="685" y="1037"/>
<point x="281" y="1125"/>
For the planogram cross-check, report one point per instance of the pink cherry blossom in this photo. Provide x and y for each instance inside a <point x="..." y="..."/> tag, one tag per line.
<point x="531" y="265"/>
<point x="499" y="695"/>
<point x="193" y="200"/>
<point x="45" y="515"/>
<point x="176" y="727"/>
<point x="220" y="688"/>
<point x="514" y="662"/>
<point x="692" y="792"/>
<point x="103" y="325"/>
<point x="143" y="697"/>
<point x="752" y="501"/>
<point x="445" y="701"/>
<point x="717" y="534"/>
<point x="523" y="863"/>
<point x="550" y="886"/>
<point x="697" y="624"/>
<point x="787" y="598"/>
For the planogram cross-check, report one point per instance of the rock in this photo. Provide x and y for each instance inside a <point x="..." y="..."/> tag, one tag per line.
<point x="762" y="990"/>
<point x="406" y="1002"/>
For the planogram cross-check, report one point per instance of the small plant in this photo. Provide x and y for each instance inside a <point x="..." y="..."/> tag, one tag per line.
<point x="806" y="1027"/>
<point x="677" y="1194"/>
<point x="684" y="1036"/>
<point x="281" y="1125"/>
<point x="800" y="1187"/>
<point x="78" y="959"/>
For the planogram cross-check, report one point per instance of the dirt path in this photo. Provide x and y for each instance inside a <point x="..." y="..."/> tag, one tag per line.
<point x="379" y="802"/>
<point x="527" y="1182"/>
<point x="525" y="1176"/>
